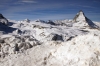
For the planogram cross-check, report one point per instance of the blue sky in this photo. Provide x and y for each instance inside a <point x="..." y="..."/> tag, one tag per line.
<point x="49" y="9"/>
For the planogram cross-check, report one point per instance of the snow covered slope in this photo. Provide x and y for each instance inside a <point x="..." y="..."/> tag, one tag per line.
<point x="56" y="43"/>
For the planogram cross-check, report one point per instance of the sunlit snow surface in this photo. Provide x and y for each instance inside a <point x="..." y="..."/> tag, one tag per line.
<point x="58" y="43"/>
<point x="42" y="44"/>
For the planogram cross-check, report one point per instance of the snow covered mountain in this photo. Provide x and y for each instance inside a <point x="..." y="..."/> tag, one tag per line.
<point x="81" y="20"/>
<point x="51" y="43"/>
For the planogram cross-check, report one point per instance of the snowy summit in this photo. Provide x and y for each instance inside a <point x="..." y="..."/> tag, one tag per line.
<point x="82" y="21"/>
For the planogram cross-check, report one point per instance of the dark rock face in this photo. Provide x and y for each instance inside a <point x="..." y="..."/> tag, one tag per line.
<point x="55" y="37"/>
<point x="4" y="25"/>
<point x="82" y="19"/>
<point x="3" y="20"/>
<point x="51" y="22"/>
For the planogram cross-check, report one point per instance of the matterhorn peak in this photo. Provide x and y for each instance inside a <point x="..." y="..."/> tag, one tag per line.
<point x="79" y="17"/>
<point x="82" y="21"/>
<point x="81" y="13"/>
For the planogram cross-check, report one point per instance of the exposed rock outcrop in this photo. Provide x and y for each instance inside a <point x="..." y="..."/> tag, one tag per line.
<point x="55" y="37"/>
<point x="3" y="20"/>
<point x="50" y="22"/>
<point x="16" y="44"/>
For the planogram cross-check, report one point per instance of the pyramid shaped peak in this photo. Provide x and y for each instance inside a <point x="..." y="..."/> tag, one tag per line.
<point x="81" y="12"/>
<point x="79" y="17"/>
<point x="81" y="20"/>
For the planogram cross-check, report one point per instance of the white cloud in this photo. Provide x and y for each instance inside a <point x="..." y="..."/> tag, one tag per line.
<point x="28" y="1"/>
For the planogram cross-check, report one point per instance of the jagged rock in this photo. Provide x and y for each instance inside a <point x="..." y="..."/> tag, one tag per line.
<point x="54" y="37"/>
<point x="4" y="26"/>
<point x="50" y="22"/>
<point x="3" y="20"/>
<point x="16" y="48"/>
<point x="80" y="20"/>
<point x="16" y="44"/>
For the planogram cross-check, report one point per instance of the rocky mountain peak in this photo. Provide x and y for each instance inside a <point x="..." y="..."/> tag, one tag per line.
<point x="81" y="20"/>
<point x="79" y="17"/>
<point x="3" y="20"/>
<point x="81" y="11"/>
